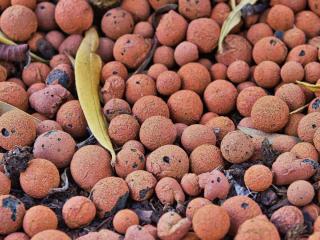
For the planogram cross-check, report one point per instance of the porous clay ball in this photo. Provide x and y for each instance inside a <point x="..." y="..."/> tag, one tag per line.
<point x="257" y="228"/>
<point x="291" y="72"/>
<point x="51" y="235"/>
<point x="129" y="160"/>
<point x="168" y="82"/>
<point x="308" y="126"/>
<point x="221" y="126"/>
<point x="195" y="204"/>
<point x="196" y="135"/>
<point x="131" y="49"/>
<point x="110" y="195"/>
<point x="124" y="219"/>
<point x="114" y="107"/>
<point x="270" y="114"/>
<point x="267" y="74"/>
<point x="137" y="232"/>
<point x="59" y="59"/>
<point x="40" y="177"/>
<point x="312" y="73"/>
<point x="247" y="98"/>
<point x="117" y="22"/>
<point x="62" y="74"/>
<point x="292" y="95"/>
<point x="236" y="48"/>
<point x="172" y="29"/>
<point x="18" y="23"/>
<point x="38" y="219"/>
<point x="308" y="22"/>
<point x="89" y="165"/>
<point x="144" y="29"/>
<point x="194" y="77"/>
<point x="46" y="126"/>
<point x="114" y="87"/>
<point x="140" y="9"/>
<point x="220" y="12"/>
<point x="283" y="143"/>
<point x="303" y="54"/>
<point x="71" y="118"/>
<point x="185" y="107"/>
<point x="164" y="55"/>
<point x="16" y="129"/>
<point x="306" y="150"/>
<point x="291" y="128"/>
<point x="149" y="106"/>
<point x="169" y="191"/>
<point x="141" y="185"/>
<point x="186" y="52"/>
<point x="157" y="131"/>
<point x="207" y="117"/>
<point x="220" y="97"/>
<point x="190" y="184"/>
<point x="56" y="38"/>
<point x="198" y="33"/>
<point x="45" y="15"/>
<point x="269" y="49"/>
<point x="240" y="209"/>
<point x="258" y="178"/>
<point x="123" y="128"/>
<point x="35" y="87"/>
<point x="237" y="147"/>
<point x="14" y="94"/>
<point x="258" y="31"/>
<point x="134" y="144"/>
<point x="10" y="221"/>
<point x="156" y="69"/>
<point x="300" y="193"/>
<point x="194" y="9"/>
<point x="105" y="49"/>
<point x="218" y="71"/>
<point x="73" y="16"/>
<point x="172" y="226"/>
<point x="238" y="71"/>
<point x="5" y="184"/>
<point x="211" y="222"/>
<point x="56" y="146"/>
<point x="78" y="211"/>
<point x="168" y="161"/>
<point x="139" y="85"/>
<point x="246" y="122"/>
<point x="294" y="37"/>
<point x="36" y="72"/>
<point x="17" y="236"/>
<point x="114" y="68"/>
<point x="286" y="218"/>
<point x="280" y="18"/>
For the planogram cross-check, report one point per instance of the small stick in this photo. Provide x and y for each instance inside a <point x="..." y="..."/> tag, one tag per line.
<point x="65" y="183"/>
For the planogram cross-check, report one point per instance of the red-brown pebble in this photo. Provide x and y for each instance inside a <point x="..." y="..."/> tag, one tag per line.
<point x="267" y="74"/>
<point x="14" y="94"/>
<point x="5" y="184"/>
<point x="139" y="85"/>
<point x="190" y="184"/>
<point x="51" y="235"/>
<point x="291" y="72"/>
<point x="164" y="55"/>
<point x="280" y="18"/>
<point x="195" y="204"/>
<point x="220" y="12"/>
<point x="238" y="71"/>
<point x="114" y="87"/>
<point x="300" y="193"/>
<point x="156" y="69"/>
<point x="193" y="9"/>
<point x="221" y="126"/>
<point x="294" y="37"/>
<point x="258" y="178"/>
<point x="115" y="107"/>
<point x="169" y="191"/>
<point x="129" y="160"/>
<point x="292" y="95"/>
<point x="186" y="52"/>
<point x="134" y="144"/>
<point x="218" y="71"/>
<point x="258" y="31"/>
<point x="308" y="22"/>
<point x="17" y="236"/>
<point x="140" y="9"/>
<point x="308" y="126"/>
<point x="168" y="82"/>
<point x="247" y="98"/>
<point x="114" y="68"/>
<point x="286" y="218"/>
<point x="145" y="29"/>
<point x="124" y="219"/>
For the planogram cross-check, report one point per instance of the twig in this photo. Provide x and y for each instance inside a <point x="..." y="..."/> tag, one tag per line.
<point x="65" y="183"/>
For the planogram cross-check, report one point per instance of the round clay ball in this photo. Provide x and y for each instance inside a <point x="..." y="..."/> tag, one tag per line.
<point x="292" y="71"/>
<point x="186" y="52"/>
<point x="73" y="16"/>
<point x="185" y="107"/>
<point x="157" y="131"/>
<point x="140" y="9"/>
<point x="16" y="129"/>
<point x="14" y="94"/>
<point x="300" y="193"/>
<point x="258" y="178"/>
<point x="51" y="235"/>
<point x="18" y="23"/>
<point x="129" y="160"/>
<point x="124" y="219"/>
<point x="220" y="97"/>
<point x="196" y="135"/>
<point x="144" y="29"/>
<point x="123" y="128"/>
<point x="114" y="107"/>
<point x="307" y="150"/>
<point x="240" y="209"/>
<point x="312" y="73"/>
<point x="164" y="55"/>
<point x="36" y="72"/>
<point x="139" y="85"/>
<point x="105" y="49"/>
<point x="90" y="164"/>
<point x="237" y="147"/>
<point x="294" y="37"/>
<point x="156" y="69"/>
<point x="258" y="31"/>
<point x="308" y="22"/>
<point x="221" y="126"/>
<point x="78" y="211"/>
<point x="220" y="12"/>
<point x="291" y="128"/>
<point x="205" y="158"/>
<point x="211" y="222"/>
<point x="114" y="87"/>
<point x="190" y="184"/>
<point x="270" y="114"/>
<point x="71" y="118"/>
<point x="45" y="14"/>
<point x="113" y="68"/>
<point x="195" y="204"/>
<point x="168" y="161"/>
<point x="193" y="9"/>
<point x="141" y="185"/>
<point x="308" y="126"/>
<point x="39" y="218"/>
<point x="267" y="74"/>
<point x="168" y="82"/>
<point x="292" y="95"/>
<point x="110" y="195"/>
<point x="134" y="144"/>
<point x="40" y="177"/>
<point x="5" y="184"/>
<point x="46" y="126"/>
<point x="238" y="71"/>
<point x="303" y="54"/>
<point x="280" y="18"/>
<point x="17" y="236"/>
<point x="10" y="220"/>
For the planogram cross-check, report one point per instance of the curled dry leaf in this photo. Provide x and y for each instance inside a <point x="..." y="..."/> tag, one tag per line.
<point x="87" y="71"/>
<point x="232" y="20"/>
<point x="309" y="86"/>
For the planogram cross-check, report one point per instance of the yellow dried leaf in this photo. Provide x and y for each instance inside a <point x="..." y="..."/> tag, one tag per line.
<point x="232" y="20"/>
<point x="6" y="107"/>
<point x="5" y="40"/>
<point x="87" y="71"/>
<point x="309" y="86"/>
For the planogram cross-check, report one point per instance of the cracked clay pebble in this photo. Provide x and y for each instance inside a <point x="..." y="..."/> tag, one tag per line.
<point x="129" y="160"/>
<point x="169" y="191"/>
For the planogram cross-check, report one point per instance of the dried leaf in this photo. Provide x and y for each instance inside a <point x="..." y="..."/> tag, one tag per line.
<point x="104" y="3"/>
<point x="232" y="20"/>
<point x="87" y="71"/>
<point x="309" y="86"/>
<point x="6" y="107"/>
<point x="5" y="40"/>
